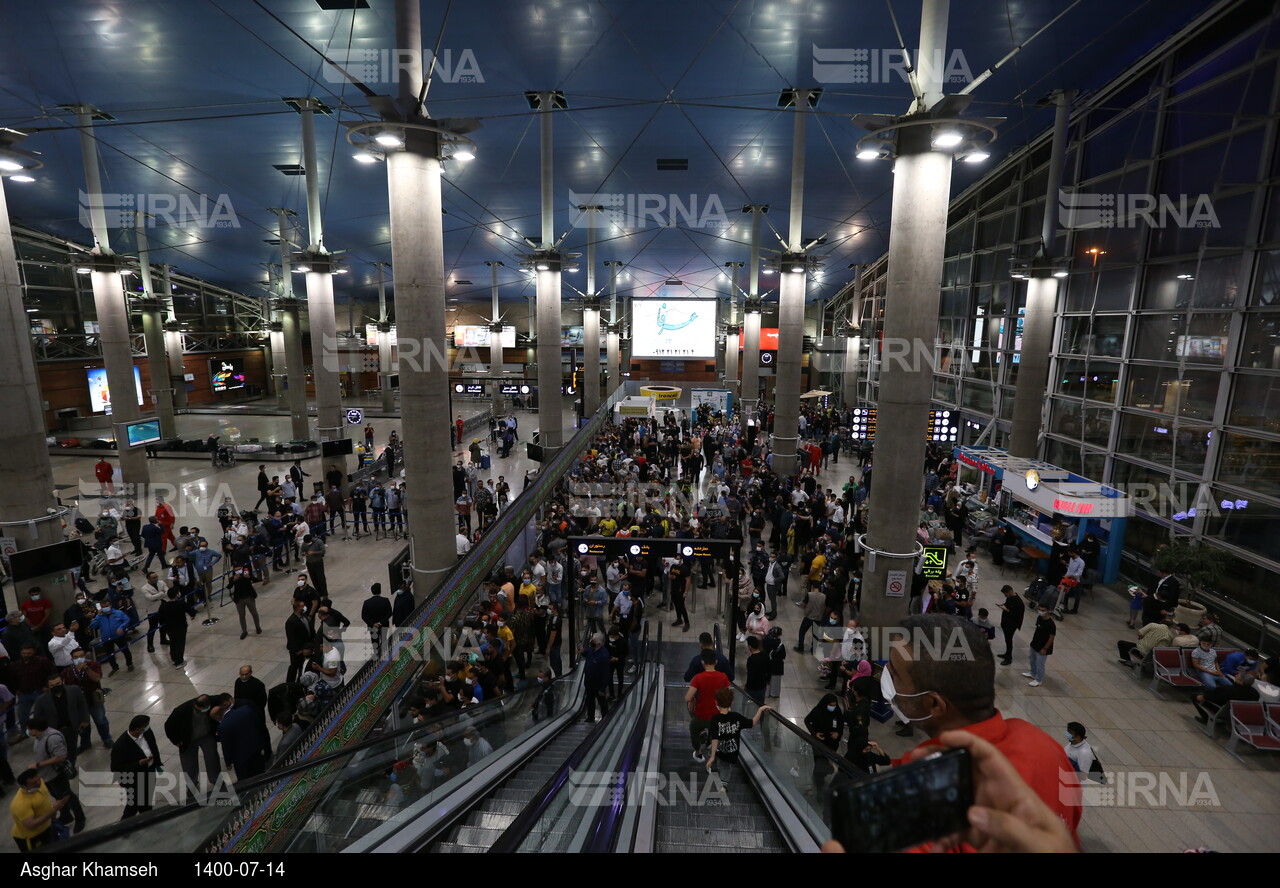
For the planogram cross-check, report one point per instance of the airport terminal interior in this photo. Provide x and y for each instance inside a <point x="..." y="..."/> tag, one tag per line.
<point x="389" y="385"/>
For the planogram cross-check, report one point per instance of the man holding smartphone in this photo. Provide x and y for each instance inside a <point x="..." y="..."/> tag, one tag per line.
<point x="940" y="695"/>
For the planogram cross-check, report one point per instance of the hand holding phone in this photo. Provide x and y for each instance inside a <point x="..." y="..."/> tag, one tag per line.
<point x="902" y="807"/>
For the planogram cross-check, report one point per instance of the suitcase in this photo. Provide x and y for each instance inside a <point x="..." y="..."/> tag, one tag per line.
<point x="279" y="448"/>
<point x="70" y="442"/>
<point x="485" y="462"/>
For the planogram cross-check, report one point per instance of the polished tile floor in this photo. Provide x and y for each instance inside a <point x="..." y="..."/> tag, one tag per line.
<point x="1132" y="730"/>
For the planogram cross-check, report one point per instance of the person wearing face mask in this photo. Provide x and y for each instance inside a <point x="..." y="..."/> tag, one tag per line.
<point x="191" y="728"/>
<point x="86" y="675"/>
<point x="52" y="756"/>
<point x="63" y="708"/>
<point x="826" y="723"/>
<point x="862" y="752"/>
<point x="775" y="581"/>
<point x="33" y="810"/>
<point x="246" y="600"/>
<point x="61" y="644"/>
<point x="939" y="695"/>
<point x="28" y="679"/>
<point x="757" y="623"/>
<point x="203" y="560"/>
<point x="478" y="748"/>
<point x="154" y="591"/>
<point x="136" y="760"/>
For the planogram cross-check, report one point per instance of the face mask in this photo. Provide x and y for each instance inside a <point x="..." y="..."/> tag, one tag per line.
<point x="106" y="609"/>
<point x="833" y="621"/>
<point x="35" y="597"/>
<point x="56" y="691"/>
<point x="831" y="709"/>
<point x="394" y="777"/>
<point x="890" y="693"/>
<point x="540" y="680"/>
<point x="26" y="790"/>
<point x="468" y="742"/>
<point x="78" y="661"/>
<point x="301" y="583"/>
<point x="1068" y="736"/>
<point x="80" y="599"/>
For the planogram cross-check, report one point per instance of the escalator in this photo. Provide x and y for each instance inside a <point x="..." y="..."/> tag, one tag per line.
<point x="492" y="815"/>
<point x="702" y="817"/>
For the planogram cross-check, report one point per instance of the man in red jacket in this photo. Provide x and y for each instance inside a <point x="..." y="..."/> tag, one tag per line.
<point x="948" y="694"/>
<point x="166" y="516"/>
<point x="103" y="471"/>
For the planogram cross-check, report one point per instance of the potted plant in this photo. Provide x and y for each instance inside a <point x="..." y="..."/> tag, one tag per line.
<point x="1199" y="565"/>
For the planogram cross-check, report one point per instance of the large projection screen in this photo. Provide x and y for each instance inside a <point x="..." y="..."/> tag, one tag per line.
<point x="673" y="328"/>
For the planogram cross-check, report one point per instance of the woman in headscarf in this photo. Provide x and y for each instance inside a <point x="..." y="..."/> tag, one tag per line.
<point x="826" y="723"/>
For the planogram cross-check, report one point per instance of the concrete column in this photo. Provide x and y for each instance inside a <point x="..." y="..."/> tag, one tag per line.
<point x="158" y="363"/>
<point x="417" y="261"/>
<point x="384" y="343"/>
<point x="1042" y="303"/>
<point x="750" y="359"/>
<point x="917" y="234"/>
<point x="173" y="347"/>
<point x="26" y="488"/>
<point x="325" y="358"/>
<point x="791" y="304"/>
<point x="852" y="354"/>
<point x="495" y="344"/>
<point x="278" y="362"/>
<point x="732" y="337"/>
<point x="550" y="404"/>
<point x="786" y="390"/>
<point x="117" y="356"/>
<point x="1033" y="370"/>
<point x="295" y="369"/>
<point x="591" y="358"/>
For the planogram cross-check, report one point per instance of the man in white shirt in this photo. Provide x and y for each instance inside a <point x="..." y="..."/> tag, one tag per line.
<point x="538" y="571"/>
<point x="330" y="665"/>
<point x="799" y="497"/>
<point x="154" y="591"/>
<point x="61" y="646"/>
<point x="462" y="544"/>
<point x="115" y="556"/>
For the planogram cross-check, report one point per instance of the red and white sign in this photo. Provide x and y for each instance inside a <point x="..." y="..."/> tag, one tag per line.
<point x="768" y="339"/>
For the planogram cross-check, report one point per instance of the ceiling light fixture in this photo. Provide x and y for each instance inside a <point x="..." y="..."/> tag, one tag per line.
<point x="464" y="154"/>
<point x="365" y="157"/>
<point x="975" y="157"/>
<point x="389" y="140"/>
<point x="21" y="179"/>
<point x="947" y="139"/>
<point x="10" y="165"/>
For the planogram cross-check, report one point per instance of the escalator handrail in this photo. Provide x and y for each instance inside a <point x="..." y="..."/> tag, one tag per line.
<point x="841" y="764"/>
<point x="602" y="837"/>
<point x="252" y="784"/>
<point x="520" y="828"/>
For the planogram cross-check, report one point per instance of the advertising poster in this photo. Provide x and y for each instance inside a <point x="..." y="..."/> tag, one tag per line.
<point x="100" y="391"/>
<point x="226" y="375"/>
<point x="673" y="328"/>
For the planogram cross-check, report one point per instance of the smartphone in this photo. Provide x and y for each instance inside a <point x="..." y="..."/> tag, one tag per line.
<point x="905" y="806"/>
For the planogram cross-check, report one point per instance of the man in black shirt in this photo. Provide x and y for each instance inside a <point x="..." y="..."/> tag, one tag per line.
<point x="726" y="732"/>
<point x="264" y="484"/>
<point x="376" y="613"/>
<point x="758" y="669"/>
<point x="1012" y="612"/>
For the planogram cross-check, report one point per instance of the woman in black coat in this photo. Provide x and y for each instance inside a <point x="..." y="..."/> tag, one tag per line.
<point x="402" y="605"/>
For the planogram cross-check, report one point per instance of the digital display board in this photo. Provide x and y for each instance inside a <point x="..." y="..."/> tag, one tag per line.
<point x="863" y="423"/>
<point x="944" y="426"/>
<point x="371" y="334"/>
<point x="226" y="375"/>
<point x="478" y="337"/>
<point x="673" y="328"/>
<point x="100" y="390"/>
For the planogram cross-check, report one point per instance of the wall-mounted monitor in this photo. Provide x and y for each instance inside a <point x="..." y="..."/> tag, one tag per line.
<point x="138" y="434"/>
<point x="28" y="564"/>
<point x="673" y="328"/>
<point x="340" y="447"/>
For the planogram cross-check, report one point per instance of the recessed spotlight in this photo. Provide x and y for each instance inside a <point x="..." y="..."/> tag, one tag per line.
<point x="389" y="140"/>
